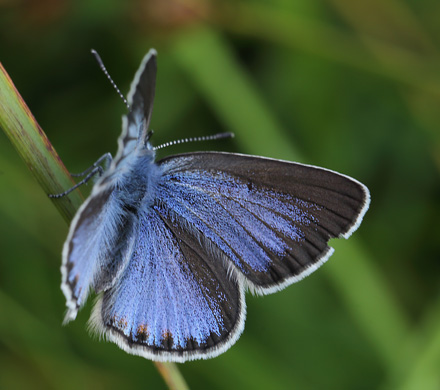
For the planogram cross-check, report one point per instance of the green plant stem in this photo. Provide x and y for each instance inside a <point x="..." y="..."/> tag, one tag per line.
<point x="172" y="376"/>
<point x="33" y="146"/>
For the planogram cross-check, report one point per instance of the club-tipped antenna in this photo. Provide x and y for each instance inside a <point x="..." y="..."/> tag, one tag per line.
<point x="195" y="139"/>
<point x="103" y="68"/>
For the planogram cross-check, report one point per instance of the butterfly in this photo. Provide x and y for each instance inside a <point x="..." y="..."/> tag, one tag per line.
<point x="171" y="246"/>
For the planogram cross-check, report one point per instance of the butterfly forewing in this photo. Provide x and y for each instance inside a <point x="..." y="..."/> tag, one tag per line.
<point x="140" y="99"/>
<point x="96" y="249"/>
<point x="272" y="219"/>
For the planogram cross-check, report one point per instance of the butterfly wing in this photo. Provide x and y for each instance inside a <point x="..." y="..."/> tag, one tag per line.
<point x="171" y="303"/>
<point x="143" y="87"/>
<point x="269" y="221"/>
<point x="95" y="252"/>
<point x="140" y="99"/>
<point x="219" y="223"/>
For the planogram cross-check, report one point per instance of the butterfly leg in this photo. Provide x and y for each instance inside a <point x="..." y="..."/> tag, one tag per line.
<point x="96" y="168"/>
<point x="107" y="158"/>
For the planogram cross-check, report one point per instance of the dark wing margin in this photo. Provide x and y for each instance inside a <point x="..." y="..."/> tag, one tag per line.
<point x="140" y="99"/>
<point x="171" y="303"/>
<point x="143" y="87"/>
<point x="269" y="220"/>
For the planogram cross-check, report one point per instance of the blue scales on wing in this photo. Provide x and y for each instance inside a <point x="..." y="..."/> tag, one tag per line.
<point x="205" y="227"/>
<point x="218" y="223"/>
<point x="97" y="248"/>
<point x="269" y="220"/>
<point x="171" y="302"/>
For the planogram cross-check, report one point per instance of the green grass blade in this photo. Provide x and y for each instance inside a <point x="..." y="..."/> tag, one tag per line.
<point x="202" y="54"/>
<point x="364" y="290"/>
<point x="32" y="145"/>
<point x="268" y="23"/>
<point x="419" y="362"/>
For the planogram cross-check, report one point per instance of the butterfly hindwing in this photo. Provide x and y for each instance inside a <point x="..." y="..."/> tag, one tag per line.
<point x="171" y="302"/>
<point x="270" y="219"/>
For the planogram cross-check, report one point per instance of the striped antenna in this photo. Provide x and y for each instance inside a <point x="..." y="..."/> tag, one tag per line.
<point x="103" y="68"/>
<point x="195" y="139"/>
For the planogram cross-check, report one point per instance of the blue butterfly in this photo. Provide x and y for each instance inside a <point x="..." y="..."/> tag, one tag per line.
<point x="171" y="246"/>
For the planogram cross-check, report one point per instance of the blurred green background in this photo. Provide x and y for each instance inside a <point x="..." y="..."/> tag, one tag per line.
<point x="353" y="86"/>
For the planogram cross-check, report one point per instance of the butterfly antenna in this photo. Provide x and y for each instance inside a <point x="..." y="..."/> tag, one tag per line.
<point x="103" y="68"/>
<point x="195" y="139"/>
